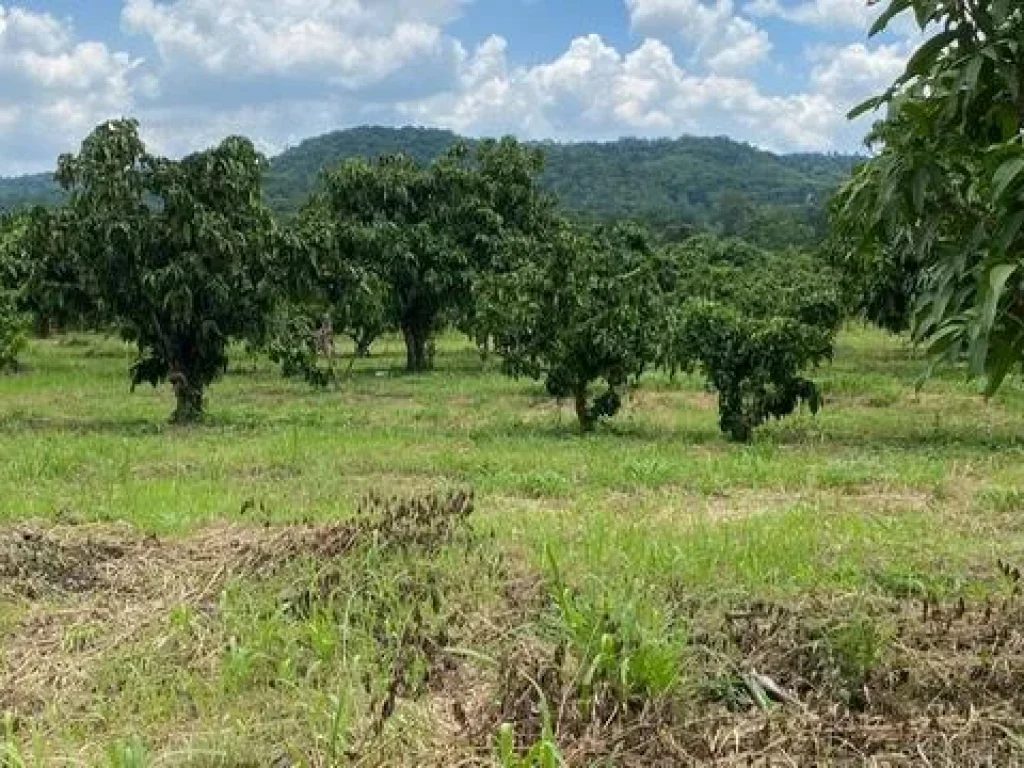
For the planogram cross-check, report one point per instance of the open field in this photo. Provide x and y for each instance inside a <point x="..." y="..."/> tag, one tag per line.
<point x="215" y="596"/>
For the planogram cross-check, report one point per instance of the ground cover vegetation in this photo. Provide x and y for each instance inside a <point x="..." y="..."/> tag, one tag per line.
<point x="560" y="492"/>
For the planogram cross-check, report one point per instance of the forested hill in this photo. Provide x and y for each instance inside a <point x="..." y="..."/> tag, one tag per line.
<point x="37" y="189"/>
<point x="690" y="179"/>
<point x="679" y="178"/>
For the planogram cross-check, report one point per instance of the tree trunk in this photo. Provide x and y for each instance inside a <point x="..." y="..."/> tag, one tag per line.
<point x="582" y="410"/>
<point x="42" y="327"/>
<point x="189" y="400"/>
<point x="483" y="342"/>
<point x="363" y="342"/>
<point x="417" y="352"/>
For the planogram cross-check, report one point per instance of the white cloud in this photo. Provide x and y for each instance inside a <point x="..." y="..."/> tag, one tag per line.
<point x="825" y="13"/>
<point x="720" y="40"/>
<point x="856" y="15"/>
<point x="52" y="88"/>
<point x="593" y="91"/>
<point x="347" y="45"/>
<point x="855" y="72"/>
<point x="282" y="70"/>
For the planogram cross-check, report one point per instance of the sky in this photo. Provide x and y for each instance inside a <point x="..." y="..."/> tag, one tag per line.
<point x="779" y="74"/>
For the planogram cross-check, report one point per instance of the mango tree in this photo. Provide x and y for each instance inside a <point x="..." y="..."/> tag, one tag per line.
<point x="753" y="322"/>
<point x="427" y="233"/>
<point x="177" y="250"/>
<point x="943" y="198"/>
<point x="576" y="308"/>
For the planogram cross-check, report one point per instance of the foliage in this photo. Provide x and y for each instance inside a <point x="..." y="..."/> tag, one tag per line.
<point x="177" y="250"/>
<point x="754" y="363"/>
<point x="667" y="185"/>
<point x="366" y="316"/>
<point x="295" y="343"/>
<point x="943" y="196"/>
<point x="55" y="287"/>
<point x="419" y="237"/>
<point x="752" y="321"/>
<point x="576" y="308"/>
<point x="543" y="753"/>
<point x="12" y="332"/>
<point x="12" y="336"/>
<point x="627" y="658"/>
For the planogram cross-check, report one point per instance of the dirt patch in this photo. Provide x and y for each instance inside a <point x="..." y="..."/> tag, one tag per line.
<point x="35" y="563"/>
<point x="823" y="682"/>
<point x="121" y="582"/>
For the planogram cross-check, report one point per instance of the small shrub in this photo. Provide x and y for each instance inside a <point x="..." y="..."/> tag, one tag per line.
<point x="627" y="658"/>
<point x="755" y="364"/>
<point x="579" y="309"/>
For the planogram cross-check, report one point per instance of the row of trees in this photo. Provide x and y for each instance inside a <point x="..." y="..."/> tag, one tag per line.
<point x="184" y="257"/>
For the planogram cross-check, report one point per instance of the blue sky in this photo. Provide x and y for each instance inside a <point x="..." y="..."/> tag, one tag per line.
<point x="780" y="74"/>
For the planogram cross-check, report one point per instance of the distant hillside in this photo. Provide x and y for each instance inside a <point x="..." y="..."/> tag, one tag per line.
<point x="690" y="179"/>
<point x="37" y="189"/>
<point x="680" y="178"/>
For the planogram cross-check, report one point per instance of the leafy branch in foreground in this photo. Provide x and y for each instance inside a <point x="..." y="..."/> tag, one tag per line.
<point x="944" y="196"/>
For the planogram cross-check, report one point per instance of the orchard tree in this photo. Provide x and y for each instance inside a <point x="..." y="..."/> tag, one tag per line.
<point x="940" y="207"/>
<point x="753" y="322"/>
<point x="577" y="309"/>
<point x="754" y="362"/>
<point x="177" y="249"/>
<point x="394" y="218"/>
<point x="424" y="235"/>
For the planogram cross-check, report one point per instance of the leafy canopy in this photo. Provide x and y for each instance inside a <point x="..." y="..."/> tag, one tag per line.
<point x="177" y="250"/>
<point x="576" y="308"/>
<point x="420" y="236"/>
<point x="753" y="322"/>
<point x="12" y="322"/>
<point x="941" y="206"/>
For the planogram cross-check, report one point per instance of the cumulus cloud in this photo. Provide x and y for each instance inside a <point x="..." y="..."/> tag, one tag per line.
<point x="53" y="88"/>
<point x="282" y="70"/>
<point x="721" y="40"/>
<point x="852" y="73"/>
<point x="825" y="13"/>
<point x="303" y="47"/>
<point x="593" y="91"/>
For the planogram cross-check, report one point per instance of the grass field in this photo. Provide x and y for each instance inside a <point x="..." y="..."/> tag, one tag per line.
<point x="841" y="591"/>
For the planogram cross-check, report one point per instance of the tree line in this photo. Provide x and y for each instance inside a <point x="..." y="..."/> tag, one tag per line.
<point x="184" y="257"/>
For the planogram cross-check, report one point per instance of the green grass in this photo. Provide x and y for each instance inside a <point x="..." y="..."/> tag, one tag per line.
<point x="652" y="525"/>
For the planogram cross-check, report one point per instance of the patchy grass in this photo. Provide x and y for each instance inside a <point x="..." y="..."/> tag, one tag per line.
<point x="844" y="589"/>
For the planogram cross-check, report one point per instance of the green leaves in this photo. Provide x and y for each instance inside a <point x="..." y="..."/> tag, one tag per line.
<point x="939" y="205"/>
<point x="178" y="251"/>
<point x="12" y="332"/>
<point x="1010" y="173"/>
<point x="896" y="7"/>
<point x="578" y="308"/>
<point x="423" y="236"/>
